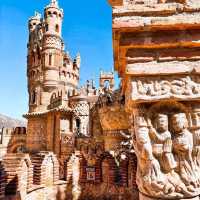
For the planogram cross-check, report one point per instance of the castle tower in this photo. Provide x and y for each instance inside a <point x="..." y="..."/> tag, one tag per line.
<point x="34" y="64"/>
<point x="52" y="53"/>
<point x="52" y="77"/>
<point x="53" y="19"/>
<point x="51" y="72"/>
<point x="106" y="80"/>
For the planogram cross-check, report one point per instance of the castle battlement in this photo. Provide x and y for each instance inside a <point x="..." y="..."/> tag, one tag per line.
<point x="20" y="130"/>
<point x="7" y="131"/>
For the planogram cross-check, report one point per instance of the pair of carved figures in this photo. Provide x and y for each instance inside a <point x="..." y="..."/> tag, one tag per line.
<point x="168" y="156"/>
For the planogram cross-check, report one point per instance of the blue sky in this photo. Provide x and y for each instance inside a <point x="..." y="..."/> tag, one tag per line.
<point x="86" y="29"/>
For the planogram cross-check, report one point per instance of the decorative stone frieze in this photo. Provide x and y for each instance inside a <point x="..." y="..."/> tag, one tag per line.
<point x="158" y="88"/>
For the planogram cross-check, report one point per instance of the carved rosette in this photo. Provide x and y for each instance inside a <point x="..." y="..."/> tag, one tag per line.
<point x="167" y="144"/>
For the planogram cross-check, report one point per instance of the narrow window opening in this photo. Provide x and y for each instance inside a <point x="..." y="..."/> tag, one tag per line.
<point x="78" y="125"/>
<point x="33" y="97"/>
<point x="50" y="59"/>
<point x="57" y="28"/>
<point x="47" y="27"/>
<point x="34" y="59"/>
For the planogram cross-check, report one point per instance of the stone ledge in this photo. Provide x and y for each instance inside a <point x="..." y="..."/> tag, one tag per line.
<point x="156" y="9"/>
<point x="163" y="68"/>
<point x="181" y="20"/>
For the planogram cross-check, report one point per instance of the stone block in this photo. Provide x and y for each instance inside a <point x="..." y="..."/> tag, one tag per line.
<point x="2" y="181"/>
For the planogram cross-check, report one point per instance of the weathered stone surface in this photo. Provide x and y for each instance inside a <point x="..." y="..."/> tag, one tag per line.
<point x="156" y="54"/>
<point x="45" y="168"/>
<point x="148" y="89"/>
<point x="19" y="174"/>
<point x="143" y="197"/>
<point x="2" y="181"/>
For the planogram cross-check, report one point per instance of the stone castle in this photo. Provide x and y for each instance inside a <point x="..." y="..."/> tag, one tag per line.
<point x="138" y="142"/>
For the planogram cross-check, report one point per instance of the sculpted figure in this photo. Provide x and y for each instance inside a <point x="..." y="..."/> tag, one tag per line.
<point x="183" y="147"/>
<point x="150" y="179"/>
<point x="196" y="151"/>
<point x="162" y="143"/>
<point x="162" y="150"/>
<point x="196" y="136"/>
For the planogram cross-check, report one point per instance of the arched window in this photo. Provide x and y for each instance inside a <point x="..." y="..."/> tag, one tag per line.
<point x="55" y="13"/>
<point x="57" y="28"/>
<point x="107" y="84"/>
<point x="53" y="97"/>
<point x="33" y="97"/>
<point x="78" y="126"/>
<point x="47" y="27"/>
<point x="74" y="92"/>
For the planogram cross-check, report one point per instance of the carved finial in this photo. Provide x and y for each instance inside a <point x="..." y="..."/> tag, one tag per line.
<point x="78" y="55"/>
<point x="38" y="15"/>
<point x="54" y="2"/>
<point x="78" y="59"/>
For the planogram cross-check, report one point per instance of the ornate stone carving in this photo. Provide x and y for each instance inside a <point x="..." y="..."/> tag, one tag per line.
<point x="53" y="42"/>
<point x="167" y="147"/>
<point x="81" y="109"/>
<point x="154" y="88"/>
<point x="67" y="139"/>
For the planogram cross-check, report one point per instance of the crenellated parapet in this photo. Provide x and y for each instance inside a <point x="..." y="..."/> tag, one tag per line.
<point x="5" y="136"/>
<point x="12" y="140"/>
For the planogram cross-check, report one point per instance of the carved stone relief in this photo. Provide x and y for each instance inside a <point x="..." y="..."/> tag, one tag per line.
<point x="53" y="41"/>
<point x="154" y="88"/>
<point x="81" y="109"/>
<point x="167" y="144"/>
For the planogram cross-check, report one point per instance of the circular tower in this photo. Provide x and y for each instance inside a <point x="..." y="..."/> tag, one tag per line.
<point x="52" y="45"/>
<point x="34" y="59"/>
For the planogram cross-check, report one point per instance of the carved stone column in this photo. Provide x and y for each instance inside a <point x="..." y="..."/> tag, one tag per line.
<point x="156" y="53"/>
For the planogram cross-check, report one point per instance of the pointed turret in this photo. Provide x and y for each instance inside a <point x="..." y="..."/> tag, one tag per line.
<point x="53" y="18"/>
<point x="34" y="21"/>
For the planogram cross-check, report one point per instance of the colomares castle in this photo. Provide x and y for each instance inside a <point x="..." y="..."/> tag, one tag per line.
<point x="138" y="142"/>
